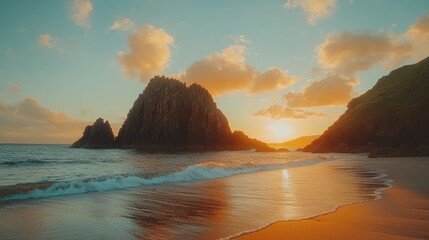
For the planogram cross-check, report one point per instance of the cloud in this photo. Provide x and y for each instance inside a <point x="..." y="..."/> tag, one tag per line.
<point x="227" y="71"/>
<point x="27" y="121"/>
<point x="51" y="42"/>
<point x="349" y="53"/>
<point x="279" y="112"/>
<point x="333" y="90"/>
<point x="15" y="88"/>
<point x="239" y="39"/>
<point x="343" y="55"/>
<point x="222" y="71"/>
<point x="272" y="79"/>
<point x="80" y="10"/>
<point x="315" y="9"/>
<point x="124" y="24"/>
<point x="149" y="52"/>
<point x="419" y="36"/>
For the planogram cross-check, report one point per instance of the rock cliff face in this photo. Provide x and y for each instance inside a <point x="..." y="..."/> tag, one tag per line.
<point x="168" y="116"/>
<point x="394" y="115"/>
<point x="98" y="135"/>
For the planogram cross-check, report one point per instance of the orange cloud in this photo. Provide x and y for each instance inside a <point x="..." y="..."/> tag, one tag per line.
<point x="29" y="122"/>
<point x="279" y="112"/>
<point x="124" y="24"/>
<point x="221" y="72"/>
<point x="315" y="9"/>
<point x="272" y="79"/>
<point x="332" y="90"/>
<point x="15" y="88"/>
<point x="419" y="35"/>
<point x="149" y="52"/>
<point x="80" y="10"/>
<point x="227" y="71"/>
<point x="349" y="53"/>
<point x="49" y="41"/>
<point x="345" y="54"/>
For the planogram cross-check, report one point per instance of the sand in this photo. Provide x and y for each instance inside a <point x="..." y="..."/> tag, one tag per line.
<point x="401" y="213"/>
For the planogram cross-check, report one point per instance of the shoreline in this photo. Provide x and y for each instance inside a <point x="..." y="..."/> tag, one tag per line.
<point x="214" y="208"/>
<point x="390" y="216"/>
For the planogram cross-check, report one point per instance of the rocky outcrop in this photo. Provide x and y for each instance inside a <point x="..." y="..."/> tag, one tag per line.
<point x="240" y="141"/>
<point x="98" y="135"/>
<point x="392" y="114"/>
<point x="169" y="116"/>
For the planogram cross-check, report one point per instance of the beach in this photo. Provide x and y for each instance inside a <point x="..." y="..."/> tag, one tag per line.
<point x="401" y="213"/>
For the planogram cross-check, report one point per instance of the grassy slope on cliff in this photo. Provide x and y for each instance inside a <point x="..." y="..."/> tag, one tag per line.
<point x="393" y="113"/>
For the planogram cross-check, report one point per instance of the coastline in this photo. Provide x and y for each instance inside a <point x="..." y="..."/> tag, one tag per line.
<point x="401" y="213"/>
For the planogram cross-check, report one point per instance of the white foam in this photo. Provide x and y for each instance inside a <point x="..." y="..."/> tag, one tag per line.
<point x="188" y="174"/>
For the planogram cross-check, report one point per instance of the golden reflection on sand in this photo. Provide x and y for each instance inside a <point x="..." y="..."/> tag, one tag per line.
<point x="170" y="212"/>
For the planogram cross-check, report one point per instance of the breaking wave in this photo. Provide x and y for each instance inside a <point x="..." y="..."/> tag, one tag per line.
<point x="107" y="183"/>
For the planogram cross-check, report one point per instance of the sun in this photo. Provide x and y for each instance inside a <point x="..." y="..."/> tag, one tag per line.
<point x="279" y="131"/>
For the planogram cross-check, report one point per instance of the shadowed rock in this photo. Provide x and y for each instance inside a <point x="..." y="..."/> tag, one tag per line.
<point x="98" y="135"/>
<point x="391" y="119"/>
<point x="168" y="116"/>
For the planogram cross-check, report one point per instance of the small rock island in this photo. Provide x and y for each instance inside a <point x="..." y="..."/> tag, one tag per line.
<point x="169" y="116"/>
<point x="98" y="135"/>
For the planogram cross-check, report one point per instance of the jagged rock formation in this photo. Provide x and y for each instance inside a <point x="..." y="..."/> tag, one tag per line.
<point x="393" y="114"/>
<point x="168" y="116"/>
<point x="98" y="135"/>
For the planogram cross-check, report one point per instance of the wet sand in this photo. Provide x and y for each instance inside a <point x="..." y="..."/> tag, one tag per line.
<point x="401" y="213"/>
<point x="209" y="209"/>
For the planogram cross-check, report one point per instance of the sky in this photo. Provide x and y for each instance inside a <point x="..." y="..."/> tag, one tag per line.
<point x="277" y="69"/>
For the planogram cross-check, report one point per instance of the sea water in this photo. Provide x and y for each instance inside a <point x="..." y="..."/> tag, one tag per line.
<point x="55" y="192"/>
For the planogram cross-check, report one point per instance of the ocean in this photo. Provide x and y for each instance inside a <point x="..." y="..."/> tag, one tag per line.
<point x="55" y="192"/>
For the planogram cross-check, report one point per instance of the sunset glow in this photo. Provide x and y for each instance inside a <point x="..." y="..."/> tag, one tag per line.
<point x="214" y="119"/>
<point x="277" y="70"/>
<point x="279" y="131"/>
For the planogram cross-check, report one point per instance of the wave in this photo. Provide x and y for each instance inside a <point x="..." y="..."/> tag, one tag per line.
<point x="27" y="162"/>
<point x="107" y="183"/>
